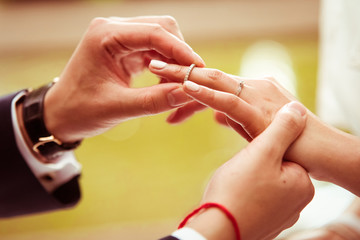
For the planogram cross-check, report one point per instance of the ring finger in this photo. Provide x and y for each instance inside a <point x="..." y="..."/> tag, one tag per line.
<point x="211" y="78"/>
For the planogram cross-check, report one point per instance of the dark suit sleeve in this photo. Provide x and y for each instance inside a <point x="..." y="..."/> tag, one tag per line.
<point x="169" y="238"/>
<point x="20" y="191"/>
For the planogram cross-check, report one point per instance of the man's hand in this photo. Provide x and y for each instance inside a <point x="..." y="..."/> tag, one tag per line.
<point x="264" y="193"/>
<point x="94" y="94"/>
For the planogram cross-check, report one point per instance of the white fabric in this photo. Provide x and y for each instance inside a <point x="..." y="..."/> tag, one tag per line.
<point x="347" y="226"/>
<point x="338" y="99"/>
<point x="61" y="170"/>
<point x="187" y="234"/>
<point x="350" y="220"/>
<point x="338" y="95"/>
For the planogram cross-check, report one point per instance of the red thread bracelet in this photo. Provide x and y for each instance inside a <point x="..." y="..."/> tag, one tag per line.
<point x="216" y="205"/>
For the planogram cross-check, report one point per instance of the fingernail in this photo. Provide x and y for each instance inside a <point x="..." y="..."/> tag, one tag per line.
<point x="171" y="117"/>
<point x="157" y="64"/>
<point x="201" y="63"/>
<point x="194" y="87"/>
<point x="296" y="107"/>
<point x="177" y="97"/>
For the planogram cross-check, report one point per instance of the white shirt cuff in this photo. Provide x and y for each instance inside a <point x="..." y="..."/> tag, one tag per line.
<point x="50" y="175"/>
<point x="186" y="233"/>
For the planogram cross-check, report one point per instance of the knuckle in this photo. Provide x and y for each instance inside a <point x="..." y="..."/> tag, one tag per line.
<point x="293" y="220"/>
<point x="148" y="104"/>
<point x="156" y="28"/>
<point x="231" y="106"/>
<point x="215" y="74"/>
<point x="177" y="70"/>
<point x="230" y="102"/>
<point x="309" y="188"/>
<point x="308" y="192"/>
<point x="169" y="21"/>
<point x="271" y="150"/>
<point x="155" y="33"/>
<point x="269" y="84"/>
<point x="291" y="122"/>
<point x="106" y="43"/>
<point x="268" y="114"/>
<point x="95" y="22"/>
<point x="255" y="125"/>
<point x="211" y="96"/>
<point x="304" y="184"/>
<point x="270" y="78"/>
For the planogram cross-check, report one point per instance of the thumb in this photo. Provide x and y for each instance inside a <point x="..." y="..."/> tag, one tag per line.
<point x="155" y="99"/>
<point x="287" y="125"/>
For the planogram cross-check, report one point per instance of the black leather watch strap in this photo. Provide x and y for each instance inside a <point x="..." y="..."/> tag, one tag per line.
<point x="33" y="110"/>
<point x="33" y="117"/>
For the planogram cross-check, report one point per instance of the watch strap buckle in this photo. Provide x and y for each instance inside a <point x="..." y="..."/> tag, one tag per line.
<point x="44" y="140"/>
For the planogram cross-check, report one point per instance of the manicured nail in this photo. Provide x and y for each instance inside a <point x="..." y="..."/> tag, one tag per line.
<point x="157" y="64"/>
<point x="177" y="97"/>
<point x="201" y="63"/>
<point x="194" y="87"/>
<point x="171" y="117"/>
<point x="296" y="107"/>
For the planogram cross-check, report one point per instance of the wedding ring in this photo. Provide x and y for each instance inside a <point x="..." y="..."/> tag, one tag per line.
<point x="189" y="72"/>
<point x="240" y="87"/>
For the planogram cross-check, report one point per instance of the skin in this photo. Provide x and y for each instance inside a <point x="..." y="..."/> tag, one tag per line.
<point x="94" y="94"/>
<point x="320" y="147"/>
<point x="255" y="184"/>
<point x="94" y="91"/>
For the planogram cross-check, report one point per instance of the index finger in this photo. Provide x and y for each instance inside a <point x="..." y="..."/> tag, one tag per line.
<point x="127" y="37"/>
<point x="167" y="22"/>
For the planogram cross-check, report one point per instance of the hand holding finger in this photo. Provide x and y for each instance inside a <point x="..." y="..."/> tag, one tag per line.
<point x="258" y="187"/>
<point x="289" y="122"/>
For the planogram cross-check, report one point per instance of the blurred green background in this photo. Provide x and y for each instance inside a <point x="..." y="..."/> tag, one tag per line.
<point x="143" y="173"/>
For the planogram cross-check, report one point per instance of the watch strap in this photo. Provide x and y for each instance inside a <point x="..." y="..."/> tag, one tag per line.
<point x="33" y="111"/>
<point x="33" y="116"/>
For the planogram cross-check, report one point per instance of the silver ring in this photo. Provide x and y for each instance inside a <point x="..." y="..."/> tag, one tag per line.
<point x="189" y="72"/>
<point x="240" y="87"/>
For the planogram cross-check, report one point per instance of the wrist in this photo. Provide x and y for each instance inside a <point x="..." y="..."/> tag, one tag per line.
<point x="327" y="153"/>
<point x="42" y="141"/>
<point x="213" y="224"/>
<point x="306" y="152"/>
<point x="56" y="122"/>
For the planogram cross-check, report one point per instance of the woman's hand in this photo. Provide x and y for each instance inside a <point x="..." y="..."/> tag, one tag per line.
<point x="257" y="108"/>
<point x="94" y="94"/>
<point x="325" y="152"/>
<point x="264" y="193"/>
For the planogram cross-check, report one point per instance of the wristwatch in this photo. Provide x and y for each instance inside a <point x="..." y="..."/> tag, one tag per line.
<point x="43" y="142"/>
